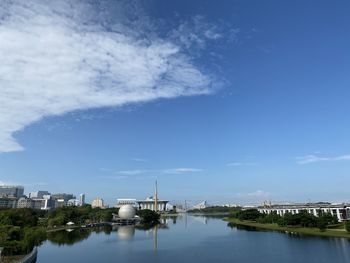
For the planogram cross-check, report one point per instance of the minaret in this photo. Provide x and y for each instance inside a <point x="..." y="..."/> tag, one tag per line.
<point x="156" y="198"/>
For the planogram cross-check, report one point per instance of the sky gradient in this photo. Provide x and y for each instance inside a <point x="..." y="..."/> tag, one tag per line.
<point x="230" y="101"/>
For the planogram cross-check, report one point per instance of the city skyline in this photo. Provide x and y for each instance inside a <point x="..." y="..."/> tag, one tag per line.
<point x="216" y="101"/>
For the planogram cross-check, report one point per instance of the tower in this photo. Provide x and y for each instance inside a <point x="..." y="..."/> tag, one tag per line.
<point x="156" y="198"/>
<point x="82" y="199"/>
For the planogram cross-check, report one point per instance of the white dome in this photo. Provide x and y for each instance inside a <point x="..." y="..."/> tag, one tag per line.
<point x="126" y="212"/>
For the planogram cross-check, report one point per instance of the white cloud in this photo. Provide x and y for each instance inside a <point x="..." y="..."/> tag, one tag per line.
<point x="54" y="60"/>
<point x="195" y="33"/>
<point x="152" y="173"/>
<point x="315" y="158"/>
<point x="132" y="172"/>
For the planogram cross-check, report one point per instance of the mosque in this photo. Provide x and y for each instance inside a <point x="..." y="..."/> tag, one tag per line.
<point x="127" y="208"/>
<point x="152" y="203"/>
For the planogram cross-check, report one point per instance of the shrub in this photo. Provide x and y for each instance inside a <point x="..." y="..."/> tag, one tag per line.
<point x="347" y="226"/>
<point x="148" y="216"/>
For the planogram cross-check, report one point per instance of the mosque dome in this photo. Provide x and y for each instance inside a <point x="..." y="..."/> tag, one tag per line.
<point x="126" y="212"/>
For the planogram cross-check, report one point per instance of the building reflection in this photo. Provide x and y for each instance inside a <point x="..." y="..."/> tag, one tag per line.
<point x="155" y="239"/>
<point x="126" y="233"/>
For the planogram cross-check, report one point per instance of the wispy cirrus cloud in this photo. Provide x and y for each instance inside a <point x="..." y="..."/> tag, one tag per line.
<point x="151" y="172"/>
<point x="132" y="172"/>
<point x="315" y="158"/>
<point x="61" y="56"/>
<point x="195" y="33"/>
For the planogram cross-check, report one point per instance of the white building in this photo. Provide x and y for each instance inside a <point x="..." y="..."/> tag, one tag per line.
<point x="38" y="194"/>
<point x="201" y="205"/>
<point x="151" y="204"/>
<point x="42" y="203"/>
<point x="73" y="202"/>
<point x="125" y="201"/>
<point x="82" y="199"/>
<point x="97" y="203"/>
<point x="342" y="211"/>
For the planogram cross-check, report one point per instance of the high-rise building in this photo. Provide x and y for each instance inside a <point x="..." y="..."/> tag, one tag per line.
<point x="97" y="203"/>
<point x="82" y="199"/>
<point x="15" y="191"/>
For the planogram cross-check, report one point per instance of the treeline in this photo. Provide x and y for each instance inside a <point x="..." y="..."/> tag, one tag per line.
<point x="148" y="217"/>
<point x="20" y="231"/>
<point x="78" y="215"/>
<point x="302" y="219"/>
<point x="23" y="228"/>
<point x="215" y="209"/>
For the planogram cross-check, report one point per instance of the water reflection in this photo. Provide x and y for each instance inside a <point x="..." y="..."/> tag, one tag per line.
<point x="198" y="238"/>
<point x="155" y="239"/>
<point x="68" y="237"/>
<point x="126" y="233"/>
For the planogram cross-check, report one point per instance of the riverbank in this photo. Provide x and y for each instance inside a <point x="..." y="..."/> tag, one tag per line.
<point x="300" y="230"/>
<point x="83" y="226"/>
<point x="28" y="258"/>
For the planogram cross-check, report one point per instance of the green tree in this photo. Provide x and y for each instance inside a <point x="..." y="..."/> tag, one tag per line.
<point x="148" y="216"/>
<point x="347" y="226"/>
<point x="322" y="223"/>
<point x="249" y="214"/>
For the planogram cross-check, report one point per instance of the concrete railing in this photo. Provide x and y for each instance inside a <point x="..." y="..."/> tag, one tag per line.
<point x="30" y="258"/>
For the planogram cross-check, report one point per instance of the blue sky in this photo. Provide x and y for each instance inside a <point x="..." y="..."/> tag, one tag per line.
<point x="230" y="101"/>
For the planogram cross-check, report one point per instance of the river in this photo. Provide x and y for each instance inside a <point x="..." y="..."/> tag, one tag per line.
<point x="189" y="239"/>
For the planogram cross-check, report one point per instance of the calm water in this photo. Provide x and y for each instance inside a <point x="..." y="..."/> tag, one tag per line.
<point x="190" y="239"/>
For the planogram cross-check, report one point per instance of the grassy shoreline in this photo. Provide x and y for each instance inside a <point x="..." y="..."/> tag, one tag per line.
<point x="300" y="230"/>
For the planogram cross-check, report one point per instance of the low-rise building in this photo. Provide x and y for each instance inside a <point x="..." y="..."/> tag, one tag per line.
<point x="97" y="203"/>
<point x="125" y="201"/>
<point x="151" y="204"/>
<point x="73" y="202"/>
<point x="8" y="202"/>
<point x="38" y="194"/>
<point x="342" y="211"/>
<point x="25" y="202"/>
<point x="62" y="196"/>
<point x="45" y="203"/>
<point x="201" y="205"/>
